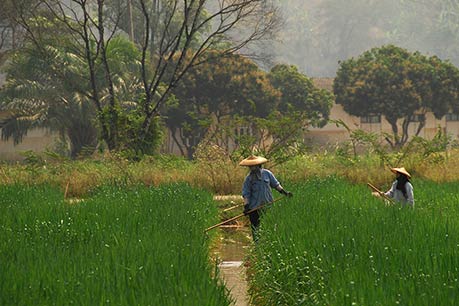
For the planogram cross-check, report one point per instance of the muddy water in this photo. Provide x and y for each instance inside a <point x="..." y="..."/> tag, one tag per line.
<point x="235" y="240"/>
<point x="231" y="254"/>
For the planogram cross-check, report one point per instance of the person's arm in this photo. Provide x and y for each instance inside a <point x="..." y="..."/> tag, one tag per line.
<point x="390" y="192"/>
<point x="409" y="193"/>
<point x="274" y="183"/>
<point x="283" y="191"/>
<point x="246" y="192"/>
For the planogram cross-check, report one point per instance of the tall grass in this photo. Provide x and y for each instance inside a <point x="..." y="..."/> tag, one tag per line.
<point x="334" y="244"/>
<point x="144" y="246"/>
<point x="80" y="177"/>
<point x="219" y="173"/>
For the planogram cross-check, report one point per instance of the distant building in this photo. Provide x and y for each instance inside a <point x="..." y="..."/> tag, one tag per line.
<point x="331" y="134"/>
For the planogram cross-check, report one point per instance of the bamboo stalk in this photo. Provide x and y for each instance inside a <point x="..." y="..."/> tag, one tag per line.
<point x="242" y="215"/>
<point x="233" y="207"/>
<point x="381" y="193"/>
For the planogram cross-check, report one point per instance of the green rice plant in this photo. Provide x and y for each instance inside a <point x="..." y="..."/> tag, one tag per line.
<point x="335" y="244"/>
<point x="142" y="246"/>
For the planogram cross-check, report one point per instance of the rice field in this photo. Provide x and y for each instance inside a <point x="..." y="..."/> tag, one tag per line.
<point x="142" y="246"/>
<point x="335" y="244"/>
<point x="331" y="244"/>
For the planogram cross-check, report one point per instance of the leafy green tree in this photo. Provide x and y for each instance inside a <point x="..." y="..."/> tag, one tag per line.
<point x="46" y="87"/>
<point x="222" y="87"/>
<point x="300" y="105"/>
<point x="298" y="93"/>
<point x="34" y="98"/>
<point x="393" y="82"/>
<point x="174" y="36"/>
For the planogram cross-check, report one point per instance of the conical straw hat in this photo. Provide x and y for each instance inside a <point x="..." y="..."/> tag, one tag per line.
<point x="253" y="161"/>
<point x="401" y="170"/>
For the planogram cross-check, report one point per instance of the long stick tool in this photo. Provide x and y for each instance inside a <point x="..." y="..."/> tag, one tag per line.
<point x="391" y="201"/>
<point x="242" y="215"/>
<point x="233" y="207"/>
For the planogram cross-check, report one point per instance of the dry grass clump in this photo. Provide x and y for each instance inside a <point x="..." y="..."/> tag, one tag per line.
<point x="442" y="167"/>
<point x="216" y="171"/>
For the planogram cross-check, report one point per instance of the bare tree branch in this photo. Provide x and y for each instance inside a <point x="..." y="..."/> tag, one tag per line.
<point x="175" y="55"/>
<point x="177" y="35"/>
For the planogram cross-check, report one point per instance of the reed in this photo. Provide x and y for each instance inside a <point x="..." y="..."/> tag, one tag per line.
<point x="335" y="244"/>
<point x="140" y="246"/>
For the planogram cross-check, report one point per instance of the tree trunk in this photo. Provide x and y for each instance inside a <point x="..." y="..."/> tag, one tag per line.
<point x="179" y="145"/>
<point x="130" y="21"/>
<point x="396" y="141"/>
<point x="112" y="141"/>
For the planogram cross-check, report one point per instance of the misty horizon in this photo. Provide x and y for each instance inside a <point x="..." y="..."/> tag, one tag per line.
<point x="317" y="34"/>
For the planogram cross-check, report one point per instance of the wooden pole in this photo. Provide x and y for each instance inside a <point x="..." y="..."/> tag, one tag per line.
<point x="233" y="207"/>
<point x="381" y="193"/>
<point x="242" y="215"/>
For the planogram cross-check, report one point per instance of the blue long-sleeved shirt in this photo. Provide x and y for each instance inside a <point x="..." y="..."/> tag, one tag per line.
<point x="258" y="191"/>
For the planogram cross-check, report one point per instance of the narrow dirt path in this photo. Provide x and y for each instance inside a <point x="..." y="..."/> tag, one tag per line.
<point x="232" y="269"/>
<point x="231" y="252"/>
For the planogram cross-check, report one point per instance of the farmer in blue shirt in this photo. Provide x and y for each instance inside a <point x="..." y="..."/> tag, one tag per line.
<point x="256" y="190"/>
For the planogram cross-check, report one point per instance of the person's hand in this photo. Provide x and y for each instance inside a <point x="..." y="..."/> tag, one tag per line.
<point x="246" y="209"/>
<point x="286" y="193"/>
<point x="376" y="194"/>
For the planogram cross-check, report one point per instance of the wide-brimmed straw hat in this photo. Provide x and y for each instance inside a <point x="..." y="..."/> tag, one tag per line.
<point x="401" y="170"/>
<point x="253" y="161"/>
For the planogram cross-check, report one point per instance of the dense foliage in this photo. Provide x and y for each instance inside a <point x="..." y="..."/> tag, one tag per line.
<point x="172" y="36"/>
<point x="46" y="87"/>
<point x="298" y="94"/>
<point x="213" y="93"/>
<point x="397" y="84"/>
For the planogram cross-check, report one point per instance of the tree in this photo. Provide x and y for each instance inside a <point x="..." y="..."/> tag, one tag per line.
<point x="11" y="33"/>
<point x="34" y="99"/>
<point x="393" y="82"/>
<point x="85" y="24"/>
<point x="176" y="35"/>
<point x="46" y="88"/>
<point x="300" y="105"/>
<point x="298" y="93"/>
<point x="222" y="87"/>
<point x="184" y="38"/>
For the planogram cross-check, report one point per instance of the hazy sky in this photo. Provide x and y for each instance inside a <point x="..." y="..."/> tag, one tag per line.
<point x="318" y="33"/>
